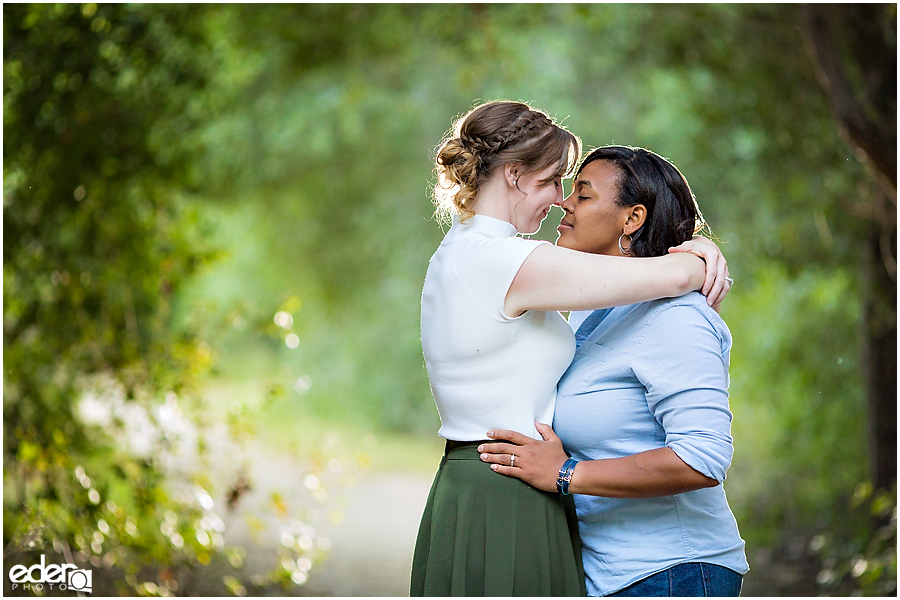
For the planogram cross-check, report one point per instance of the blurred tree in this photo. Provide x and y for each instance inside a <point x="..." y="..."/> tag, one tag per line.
<point x="854" y="47"/>
<point x="99" y="104"/>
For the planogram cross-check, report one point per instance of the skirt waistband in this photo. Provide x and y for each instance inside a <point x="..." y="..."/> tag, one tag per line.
<point x="454" y="450"/>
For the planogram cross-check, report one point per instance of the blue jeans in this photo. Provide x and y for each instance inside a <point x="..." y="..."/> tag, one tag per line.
<point x="688" y="580"/>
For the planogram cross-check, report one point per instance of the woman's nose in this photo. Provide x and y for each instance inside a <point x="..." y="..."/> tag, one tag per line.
<point x="566" y="204"/>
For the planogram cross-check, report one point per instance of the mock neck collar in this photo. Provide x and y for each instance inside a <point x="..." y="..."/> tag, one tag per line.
<point x="486" y="225"/>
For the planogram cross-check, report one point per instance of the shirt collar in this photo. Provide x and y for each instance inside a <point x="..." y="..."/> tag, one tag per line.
<point x="488" y="226"/>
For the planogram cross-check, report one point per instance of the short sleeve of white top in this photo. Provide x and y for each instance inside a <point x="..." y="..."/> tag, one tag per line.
<point x="486" y="369"/>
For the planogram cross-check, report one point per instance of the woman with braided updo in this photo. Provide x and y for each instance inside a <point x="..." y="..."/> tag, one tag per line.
<point x="495" y="347"/>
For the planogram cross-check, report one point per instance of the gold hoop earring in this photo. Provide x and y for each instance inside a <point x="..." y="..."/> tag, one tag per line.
<point x="625" y="251"/>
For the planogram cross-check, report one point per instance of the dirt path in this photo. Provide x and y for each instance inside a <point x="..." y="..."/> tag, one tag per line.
<point x="372" y="549"/>
<point x="371" y="544"/>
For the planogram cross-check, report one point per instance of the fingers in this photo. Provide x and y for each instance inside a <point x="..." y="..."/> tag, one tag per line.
<point x="502" y="459"/>
<point x="722" y="287"/>
<point x="715" y="264"/>
<point x="546" y="431"/>
<point x="709" y="279"/>
<point x="503" y="463"/>
<point x="715" y="292"/>
<point x="709" y="282"/>
<point x="715" y="270"/>
<point x="693" y="247"/>
<point x="496" y="449"/>
<point x="508" y="471"/>
<point x="715" y="284"/>
<point x="682" y="247"/>
<point x="510" y="436"/>
<point x="717" y="299"/>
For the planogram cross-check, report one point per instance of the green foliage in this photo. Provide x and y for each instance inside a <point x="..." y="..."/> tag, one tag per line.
<point x="91" y="258"/>
<point x="242" y="191"/>
<point x="860" y="558"/>
<point x="100" y="400"/>
<point x="803" y="424"/>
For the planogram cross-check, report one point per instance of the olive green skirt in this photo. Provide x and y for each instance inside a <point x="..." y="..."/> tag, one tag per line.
<point x="485" y="534"/>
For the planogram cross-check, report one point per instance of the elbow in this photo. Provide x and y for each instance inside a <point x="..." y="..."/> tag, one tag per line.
<point x="692" y="481"/>
<point x="707" y="482"/>
<point x="707" y="465"/>
<point x="703" y="477"/>
<point x="697" y="481"/>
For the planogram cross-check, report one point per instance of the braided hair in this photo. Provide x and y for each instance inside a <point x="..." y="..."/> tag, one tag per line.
<point x="489" y="136"/>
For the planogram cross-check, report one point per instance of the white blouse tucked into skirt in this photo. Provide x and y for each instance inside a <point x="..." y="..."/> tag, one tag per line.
<point x="488" y="370"/>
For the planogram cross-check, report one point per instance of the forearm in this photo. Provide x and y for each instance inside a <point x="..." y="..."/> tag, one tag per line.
<point x="647" y="474"/>
<point x="554" y="278"/>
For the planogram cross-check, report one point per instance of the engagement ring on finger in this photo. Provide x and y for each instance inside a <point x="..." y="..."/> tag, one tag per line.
<point x="512" y="460"/>
<point x="729" y="280"/>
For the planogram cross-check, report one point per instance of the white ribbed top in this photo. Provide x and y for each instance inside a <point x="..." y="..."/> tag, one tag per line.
<point x="487" y="370"/>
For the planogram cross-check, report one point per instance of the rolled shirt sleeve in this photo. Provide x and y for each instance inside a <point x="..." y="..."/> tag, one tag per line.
<point x="687" y="384"/>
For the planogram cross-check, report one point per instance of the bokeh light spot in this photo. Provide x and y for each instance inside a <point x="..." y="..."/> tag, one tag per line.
<point x="283" y="319"/>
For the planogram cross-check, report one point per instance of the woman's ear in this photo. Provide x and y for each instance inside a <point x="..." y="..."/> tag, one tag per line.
<point x="511" y="172"/>
<point x="637" y="214"/>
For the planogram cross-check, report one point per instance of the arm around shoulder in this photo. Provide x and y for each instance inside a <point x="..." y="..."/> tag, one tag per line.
<point x="555" y="278"/>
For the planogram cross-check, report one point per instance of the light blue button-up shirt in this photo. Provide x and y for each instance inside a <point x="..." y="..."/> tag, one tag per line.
<point x="648" y="376"/>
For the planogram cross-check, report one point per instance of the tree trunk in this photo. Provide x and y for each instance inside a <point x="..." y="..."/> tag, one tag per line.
<point x="879" y="353"/>
<point x="853" y="49"/>
<point x="856" y="62"/>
